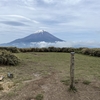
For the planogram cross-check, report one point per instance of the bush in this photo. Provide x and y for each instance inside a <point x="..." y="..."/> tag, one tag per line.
<point x="85" y="51"/>
<point x="11" y="49"/>
<point x="7" y="58"/>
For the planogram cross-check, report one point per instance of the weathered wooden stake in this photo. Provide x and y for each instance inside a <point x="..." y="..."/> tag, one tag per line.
<point x="72" y="71"/>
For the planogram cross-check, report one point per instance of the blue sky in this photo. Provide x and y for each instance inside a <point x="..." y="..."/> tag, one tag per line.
<point x="75" y="21"/>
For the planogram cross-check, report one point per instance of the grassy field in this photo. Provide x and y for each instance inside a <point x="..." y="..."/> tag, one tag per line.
<point x="35" y="65"/>
<point x="86" y="67"/>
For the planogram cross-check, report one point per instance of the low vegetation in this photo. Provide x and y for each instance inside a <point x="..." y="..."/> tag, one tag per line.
<point x="39" y="97"/>
<point x="86" y="82"/>
<point x="85" y="51"/>
<point x="10" y="49"/>
<point x="6" y="58"/>
<point x="66" y="82"/>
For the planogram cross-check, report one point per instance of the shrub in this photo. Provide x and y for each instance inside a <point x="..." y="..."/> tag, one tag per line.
<point x="85" y="51"/>
<point x="7" y="58"/>
<point x="11" y="49"/>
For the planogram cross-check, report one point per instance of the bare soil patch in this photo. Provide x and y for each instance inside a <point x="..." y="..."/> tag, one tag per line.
<point x="52" y="88"/>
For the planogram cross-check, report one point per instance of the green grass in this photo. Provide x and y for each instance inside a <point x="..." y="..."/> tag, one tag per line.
<point x="86" y="82"/>
<point x="66" y="82"/>
<point x="86" y="67"/>
<point x="39" y="97"/>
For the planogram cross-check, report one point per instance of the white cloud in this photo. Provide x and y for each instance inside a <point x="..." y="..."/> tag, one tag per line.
<point x="16" y="18"/>
<point x="91" y="44"/>
<point x="45" y="44"/>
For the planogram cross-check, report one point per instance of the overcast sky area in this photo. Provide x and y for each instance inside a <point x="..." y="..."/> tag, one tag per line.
<point x="76" y="21"/>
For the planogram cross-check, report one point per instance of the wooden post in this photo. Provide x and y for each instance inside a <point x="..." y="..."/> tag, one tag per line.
<point x="72" y="71"/>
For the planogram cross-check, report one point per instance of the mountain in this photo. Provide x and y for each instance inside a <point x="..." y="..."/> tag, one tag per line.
<point x="37" y="37"/>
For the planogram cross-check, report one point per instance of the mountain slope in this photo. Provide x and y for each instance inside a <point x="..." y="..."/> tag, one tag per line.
<point x="34" y="40"/>
<point x="38" y="37"/>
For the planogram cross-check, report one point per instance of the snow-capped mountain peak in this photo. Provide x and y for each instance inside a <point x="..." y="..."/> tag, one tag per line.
<point x="39" y="31"/>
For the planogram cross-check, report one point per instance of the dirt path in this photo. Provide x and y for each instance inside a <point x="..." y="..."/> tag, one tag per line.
<point x="53" y="89"/>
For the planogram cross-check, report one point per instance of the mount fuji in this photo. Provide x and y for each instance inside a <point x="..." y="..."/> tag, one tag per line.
<point x="33" y="39"/>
